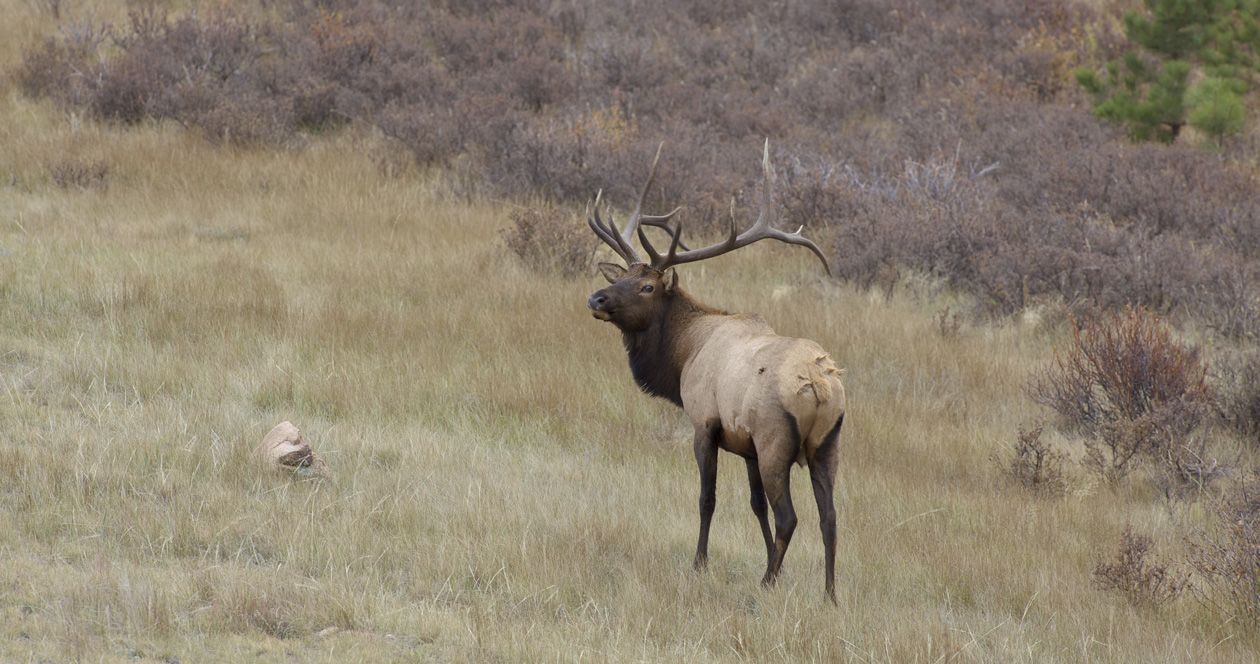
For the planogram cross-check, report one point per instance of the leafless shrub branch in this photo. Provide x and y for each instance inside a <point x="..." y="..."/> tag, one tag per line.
<point x="1136" y="575"/>
<point x="1225" y="554"/>
<point x="1034" y="465"/>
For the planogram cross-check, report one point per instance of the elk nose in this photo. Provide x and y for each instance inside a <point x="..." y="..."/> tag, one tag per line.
<point x="597" y="301"/>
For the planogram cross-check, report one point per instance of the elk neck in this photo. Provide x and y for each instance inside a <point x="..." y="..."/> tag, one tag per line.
<point x="659" y="352"/>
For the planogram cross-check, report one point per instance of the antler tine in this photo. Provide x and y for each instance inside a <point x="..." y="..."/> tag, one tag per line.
<point x="767" y="190"/>
<point x="593" y="220"/>
<point x="661" y="221"/>
<point x="632" y="224"/>
<point x="608" y="232"/>
<point x="627" y="250"/>
<point x="760" y="230"/>
<point x="655" y="258"/>
<point x="798" y="239"/>
<point x="620" y="241"/>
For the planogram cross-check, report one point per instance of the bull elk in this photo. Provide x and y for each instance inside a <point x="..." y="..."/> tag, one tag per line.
<point x="772" y="400"/>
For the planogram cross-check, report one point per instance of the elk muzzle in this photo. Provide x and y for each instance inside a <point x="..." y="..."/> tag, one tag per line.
<point x="599" y="304"/>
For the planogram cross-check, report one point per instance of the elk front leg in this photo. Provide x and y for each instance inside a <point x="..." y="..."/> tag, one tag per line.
<point x="706" y="449"/>
<point x="758" y="500"/>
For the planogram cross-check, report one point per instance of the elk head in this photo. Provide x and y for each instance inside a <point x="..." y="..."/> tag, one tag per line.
<point x="634" y="295"/>
<point x="639" y="289"/>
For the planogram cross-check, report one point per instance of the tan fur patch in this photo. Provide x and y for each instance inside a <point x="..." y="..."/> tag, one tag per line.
<point x="820" y="370"/>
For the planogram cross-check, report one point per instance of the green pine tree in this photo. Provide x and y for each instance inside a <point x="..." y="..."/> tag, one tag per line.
<point x="1148" y="89"/>
<point x="1216" y="108"/>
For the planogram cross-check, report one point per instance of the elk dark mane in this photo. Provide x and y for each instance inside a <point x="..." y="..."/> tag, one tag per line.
<point x="655" y="361"/>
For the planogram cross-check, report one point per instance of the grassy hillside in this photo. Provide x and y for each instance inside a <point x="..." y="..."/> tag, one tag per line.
<point x="502" y="491"/>
<point x="948" y="137"/>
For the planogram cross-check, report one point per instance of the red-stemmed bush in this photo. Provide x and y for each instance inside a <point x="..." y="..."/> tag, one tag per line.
<point x="1130" y="386"/>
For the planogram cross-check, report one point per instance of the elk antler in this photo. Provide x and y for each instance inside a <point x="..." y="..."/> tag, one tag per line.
<point x="620" y="241"/>
<point x="760" y="230"/>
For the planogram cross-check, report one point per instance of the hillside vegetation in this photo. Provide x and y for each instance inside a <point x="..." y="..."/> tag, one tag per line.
<point x="502" y="491"/>
<point x="947" y="139"/>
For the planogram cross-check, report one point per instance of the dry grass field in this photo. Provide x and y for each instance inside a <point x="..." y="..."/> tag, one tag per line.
<point x="502" y="490"/>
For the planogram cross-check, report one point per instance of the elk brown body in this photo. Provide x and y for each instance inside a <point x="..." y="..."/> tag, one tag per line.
<point x="771" y="400"/>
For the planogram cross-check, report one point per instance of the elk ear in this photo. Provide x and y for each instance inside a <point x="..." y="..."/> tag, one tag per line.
<point x="671" y="280"/>
<point x="612" y="272"/>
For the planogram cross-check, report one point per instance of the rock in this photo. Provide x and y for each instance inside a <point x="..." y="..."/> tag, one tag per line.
<point x="283" y="448"/>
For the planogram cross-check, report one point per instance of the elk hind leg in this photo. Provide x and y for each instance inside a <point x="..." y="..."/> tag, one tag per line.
<point x="822" y="474"/>
<point x="706" y="450"/>
<point x="775" y="466"/>
<point x="758" y="500"/>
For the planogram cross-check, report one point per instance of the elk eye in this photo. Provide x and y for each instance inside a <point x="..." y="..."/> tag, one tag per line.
<point x="647" y="288"/>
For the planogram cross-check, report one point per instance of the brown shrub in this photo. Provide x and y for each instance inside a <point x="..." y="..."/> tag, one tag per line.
<point x="423" y="132"/>
<point x="1034" y="465"/>
<point x="1120" y="366"/>
<point x="1159" y="436"/>
<point x="175" y="69"/>
<point x="1189" y="468"/>
<point x="624" y="65"/>
<point x="1235" y="377"/>
<point x="1131" y="386"/>
<point x="1226" y="295"/>
<point x="566" y="160"/>
<point x="74" y="173"/>
<point x="551" y="240"/>
<point x="248" y="119"/>
<point x="1133" y="573"/>
<point x="1225" y="554"/>
<point x="65" y="70"/>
